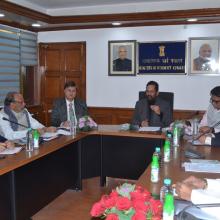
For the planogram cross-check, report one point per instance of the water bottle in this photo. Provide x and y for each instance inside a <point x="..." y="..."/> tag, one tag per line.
<point x="29" y="143"/>
<point x="158" y="154"/>
<point x="166" y="151"/>
<point x="154" y="169"/>
<point x="195" y="128"/>
<point x="176" y="142"/>
<point x="166" y="188"/>
<point x="168" y="207"/>
<point x="73" y="126"/>
<point x="36" y="136"/>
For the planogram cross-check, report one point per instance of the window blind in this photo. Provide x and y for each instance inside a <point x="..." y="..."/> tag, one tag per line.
<point x="28" y="48"/>
<point x="9" y="61"/>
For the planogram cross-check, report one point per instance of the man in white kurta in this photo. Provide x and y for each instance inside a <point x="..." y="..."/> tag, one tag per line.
<point x="201" y="191"/>
<point x="14" y="110"/>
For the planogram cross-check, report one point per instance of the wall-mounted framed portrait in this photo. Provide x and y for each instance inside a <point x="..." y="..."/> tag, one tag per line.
<point x="122" y="58"/>
<point x="204" y="56"/>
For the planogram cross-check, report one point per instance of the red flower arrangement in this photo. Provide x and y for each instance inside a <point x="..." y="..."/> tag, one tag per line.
<point x="128" y="202"/>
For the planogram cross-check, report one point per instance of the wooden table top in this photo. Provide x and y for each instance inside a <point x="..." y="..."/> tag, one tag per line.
<point x="174" y="169"/>
<point x="12" y="162"/>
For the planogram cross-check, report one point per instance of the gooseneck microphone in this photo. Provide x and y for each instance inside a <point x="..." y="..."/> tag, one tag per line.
<point x="14" y="122"/>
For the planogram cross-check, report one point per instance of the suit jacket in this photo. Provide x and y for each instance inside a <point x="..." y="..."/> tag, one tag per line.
<point x="59" y="111"/>
<point x="122" y="65"/>
<point x="216" y="140"/>
<point x="143" y="112"/>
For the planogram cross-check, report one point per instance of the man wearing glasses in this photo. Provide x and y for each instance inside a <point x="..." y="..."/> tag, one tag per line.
<point x="211" y="119"/>
<point x="14" y="110"/>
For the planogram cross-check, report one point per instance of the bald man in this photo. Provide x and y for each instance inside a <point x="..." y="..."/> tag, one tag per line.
<point x="203" y="62"/>
<point x="122" y="63"/>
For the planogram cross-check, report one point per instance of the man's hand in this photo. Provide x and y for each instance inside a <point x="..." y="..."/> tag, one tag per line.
<point x="9" y="144"/>
<point x="195" y="182"/>
<point x="51" y="129"/>
<point x="65" y="124"/>
<point x="2" y="146"/>
<point x="204" y="129"/>
<point x="156" y="109"/>
<point x="202" y="139"/>
<point x="144" y="123"/>
<point x="184" y="190"/>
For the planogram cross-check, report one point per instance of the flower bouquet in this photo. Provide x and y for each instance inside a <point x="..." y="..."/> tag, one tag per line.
<point x="128" y="202"/>
<point x="86" y="123"/>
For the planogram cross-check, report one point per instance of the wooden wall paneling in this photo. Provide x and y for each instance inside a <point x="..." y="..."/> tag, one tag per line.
<point x="107" y="115"/>
<point x="62" y="62"/>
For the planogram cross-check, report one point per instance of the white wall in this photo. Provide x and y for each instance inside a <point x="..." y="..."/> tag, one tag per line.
<point x="191" y="92"/>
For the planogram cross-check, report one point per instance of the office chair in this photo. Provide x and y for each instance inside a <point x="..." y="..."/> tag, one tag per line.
<point x="168" y="96"/>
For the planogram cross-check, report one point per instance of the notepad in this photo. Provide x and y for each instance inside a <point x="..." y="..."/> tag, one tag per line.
<point x="202" y="167"/>
<point x="9" y="151"/>
<point x="149" y="128"/>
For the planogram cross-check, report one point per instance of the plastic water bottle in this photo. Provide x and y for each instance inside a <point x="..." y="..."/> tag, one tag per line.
<point x="166" y="188"/>
<point x="176" y="142"/>
<point x="29" y="143"/>
<point x="166" y="151"/>
<point x="158" y="154"/>
<point x="154" y="169"/>
<point x="168" y="207"/>
<point x="73" y="126"/>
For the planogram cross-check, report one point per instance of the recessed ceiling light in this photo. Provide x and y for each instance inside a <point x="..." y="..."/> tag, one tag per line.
<point x="2" y="15"/>
<point x="116" y="23"/>
<point x="192" y="19"/>
<point x="36" y="25"/>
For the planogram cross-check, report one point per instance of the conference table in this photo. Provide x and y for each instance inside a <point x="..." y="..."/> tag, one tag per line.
<point x="31" y="180"/>
<point x="174" y="168"/>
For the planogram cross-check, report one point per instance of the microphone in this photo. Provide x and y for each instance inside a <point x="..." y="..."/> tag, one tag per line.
<point x="14" y="122"/>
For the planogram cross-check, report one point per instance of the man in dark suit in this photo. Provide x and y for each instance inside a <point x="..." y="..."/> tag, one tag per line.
<point x="152" y="110"/>
<point x="61" y="109"/>
<point x="122" y="63"/>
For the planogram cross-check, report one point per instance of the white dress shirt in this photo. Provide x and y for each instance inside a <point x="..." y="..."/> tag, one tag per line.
<point x="209" y="195"/>
<point x="7" y="132"/>
<point x="210" y="118"/>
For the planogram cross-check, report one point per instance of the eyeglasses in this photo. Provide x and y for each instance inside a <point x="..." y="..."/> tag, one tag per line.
<point x="214" y="101"/>
<point x="19" y="102"/>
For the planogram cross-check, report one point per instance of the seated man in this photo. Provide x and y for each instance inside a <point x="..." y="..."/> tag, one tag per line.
<point x="152" y="111"/>
<point x="200" y="191"/>
<point x="212" y="115"/>
<point x="63" y="107"/>
<point x="15" y="111"/>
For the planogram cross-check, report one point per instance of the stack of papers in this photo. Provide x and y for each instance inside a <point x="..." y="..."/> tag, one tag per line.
<point x="149" y="129"/>
<point x="51" y="135"/>
<point x="11" y="150"/>
<point x="202" y="166"/>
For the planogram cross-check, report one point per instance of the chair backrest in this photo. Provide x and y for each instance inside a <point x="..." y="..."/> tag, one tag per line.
<point x="168" y="96"/>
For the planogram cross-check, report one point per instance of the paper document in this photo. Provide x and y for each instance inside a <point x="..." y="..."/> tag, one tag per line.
<point x="202" y="167"/>
<point x="149" y="129"/>
<point x="204" y="161"/>
<point x="11" y="150"/>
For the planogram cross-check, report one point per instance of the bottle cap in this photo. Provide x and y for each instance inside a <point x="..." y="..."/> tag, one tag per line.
<point x="167" y="181"/>
<point x="157" y="149"/>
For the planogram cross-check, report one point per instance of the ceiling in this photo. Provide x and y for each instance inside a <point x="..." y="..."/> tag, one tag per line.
<point x="24" y="15"/>
<point x="56" y="4"/>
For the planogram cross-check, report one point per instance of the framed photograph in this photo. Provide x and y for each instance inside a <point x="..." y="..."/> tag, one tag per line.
<point x="204" y="56"/>
<point x="122" y="58"/>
